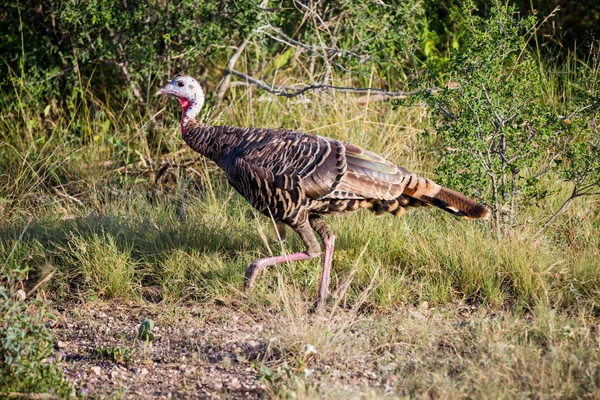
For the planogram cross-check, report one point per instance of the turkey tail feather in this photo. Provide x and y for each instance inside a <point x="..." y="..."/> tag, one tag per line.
<point x="448" y="200"/>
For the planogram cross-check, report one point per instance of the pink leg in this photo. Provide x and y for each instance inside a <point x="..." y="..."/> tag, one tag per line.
<point x="312" y="250"/>
<point x="261" y="263"/>
<point x="328" y="239"/>
<point x="328" y="244"/>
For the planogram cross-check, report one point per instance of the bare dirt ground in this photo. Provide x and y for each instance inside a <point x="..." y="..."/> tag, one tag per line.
<point x="233" y="349"/>
<point x="198" y="353"/>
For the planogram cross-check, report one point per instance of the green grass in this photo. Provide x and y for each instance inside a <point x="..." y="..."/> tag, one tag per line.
<point x="507" y="317"/>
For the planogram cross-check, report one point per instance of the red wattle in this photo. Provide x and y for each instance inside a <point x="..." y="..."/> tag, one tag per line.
<point x="185" y="104"/>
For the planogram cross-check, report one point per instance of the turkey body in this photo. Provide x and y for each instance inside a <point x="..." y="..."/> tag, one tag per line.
<point x="290" y="175"/>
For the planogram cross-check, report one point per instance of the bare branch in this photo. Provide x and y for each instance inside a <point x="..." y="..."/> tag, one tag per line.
<point x="225" y="81"/>
<point x="562" y="208"/>
<point x="290" y="91"/>
<point x="313" y="49"/>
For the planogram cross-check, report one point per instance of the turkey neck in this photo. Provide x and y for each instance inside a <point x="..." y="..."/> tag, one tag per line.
<point x="214" y="142"/>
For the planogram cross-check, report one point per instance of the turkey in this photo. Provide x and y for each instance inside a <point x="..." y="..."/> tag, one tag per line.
<point x="296" y="177"/>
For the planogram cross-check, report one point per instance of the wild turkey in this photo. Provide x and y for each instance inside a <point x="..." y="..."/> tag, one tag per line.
<point x="296" y="177"/>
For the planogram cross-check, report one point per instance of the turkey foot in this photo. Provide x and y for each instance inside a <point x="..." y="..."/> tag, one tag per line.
<point x="261" y="263"/>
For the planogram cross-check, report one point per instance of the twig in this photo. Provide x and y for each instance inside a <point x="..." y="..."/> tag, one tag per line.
<point x="68" y="196"/>
<point x="224" y="83"/>
<point x="33" y="396"/>
<point x="290" y="91"/>
<point x="562" y="208"/>
<point x="41" y="282"/>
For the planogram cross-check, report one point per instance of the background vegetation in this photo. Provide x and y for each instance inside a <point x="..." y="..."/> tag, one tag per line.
<point x="97" y="186"/>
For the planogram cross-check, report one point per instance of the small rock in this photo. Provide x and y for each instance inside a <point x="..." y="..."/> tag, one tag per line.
<point x="182" y="367"/>
<point x="253" y="344"/>
<point x="310" y="349"/>
<point x="20" y="295"/>
<point x="215" y="385"/>
<point x="417" y="315"/>
<point x="235" y="384"/>
<point x="61" y="345"/>
<point x="101" y="314"/>
<point x="190" y="370"/>
<point x="97" y="370"/>
<point x="144" y="372"/>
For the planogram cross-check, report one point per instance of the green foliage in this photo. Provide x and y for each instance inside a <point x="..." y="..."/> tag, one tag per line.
<point x="119" y="355"/>
<point x="581" y="162"/>
<point x="121" y="44"/>
<point x="26" y="364"/>
<point x="385" y="35"/>
<point x="500" y="138"/>
<point x="286" y="383"/>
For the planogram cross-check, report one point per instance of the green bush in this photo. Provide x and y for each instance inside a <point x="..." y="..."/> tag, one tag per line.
<point x="26" y="362"/>
<point x="501" y="139"/>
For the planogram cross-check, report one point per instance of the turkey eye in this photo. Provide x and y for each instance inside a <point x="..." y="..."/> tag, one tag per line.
<point x="180" y="84"/>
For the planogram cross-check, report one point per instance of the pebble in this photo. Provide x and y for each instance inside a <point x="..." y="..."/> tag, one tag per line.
<point x="20" y="295"/>
<point x="235" y="384"/>
<point x="215" y="385"/>
<point x="144" y="372"/>
<point x="417" y="315"/>
<point x="190" y="370"/>
<point x="97" y="370"/>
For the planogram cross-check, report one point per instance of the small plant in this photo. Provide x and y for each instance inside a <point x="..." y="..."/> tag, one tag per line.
<point x="145" y="330"/>
<point x="115" y="354"/>
<point x="284" y="383"/>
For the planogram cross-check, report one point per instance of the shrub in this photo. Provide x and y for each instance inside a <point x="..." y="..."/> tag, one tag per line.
<point x="26" y="365"/>
<point x="501" y="139"/>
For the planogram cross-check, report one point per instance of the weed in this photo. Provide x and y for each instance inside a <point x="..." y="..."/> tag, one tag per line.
<point x="119" y="355"/>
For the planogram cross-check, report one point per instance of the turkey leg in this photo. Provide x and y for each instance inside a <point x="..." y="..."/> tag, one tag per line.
<point x="328" y="243"/>
<point x="312" y="250"/>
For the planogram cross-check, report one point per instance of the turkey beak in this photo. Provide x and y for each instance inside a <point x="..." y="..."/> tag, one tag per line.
<point x="165" y="89"/>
